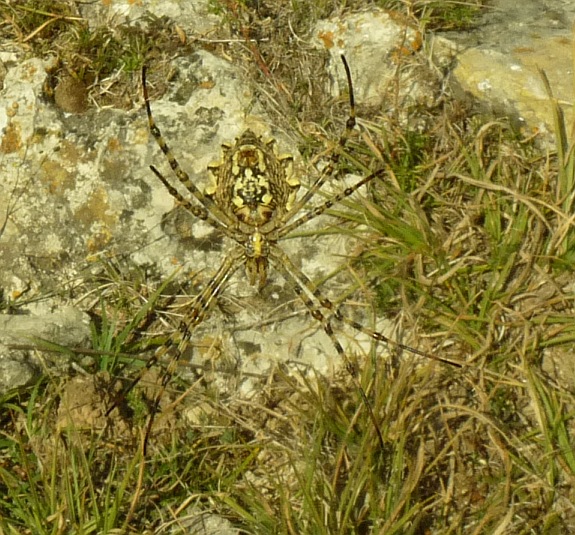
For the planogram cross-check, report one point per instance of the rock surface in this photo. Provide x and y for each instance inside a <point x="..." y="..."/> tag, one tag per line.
<point x="498" y="62"/>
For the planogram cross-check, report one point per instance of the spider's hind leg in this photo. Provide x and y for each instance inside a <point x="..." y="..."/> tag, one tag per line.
<point x="314" y="301"/>
<point x="179" y="342"/>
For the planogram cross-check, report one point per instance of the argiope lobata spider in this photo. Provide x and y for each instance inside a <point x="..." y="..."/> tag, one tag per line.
<point x="254" y="203"/>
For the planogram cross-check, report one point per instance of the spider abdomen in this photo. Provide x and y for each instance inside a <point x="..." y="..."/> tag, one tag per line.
<point x="253" y="184"/>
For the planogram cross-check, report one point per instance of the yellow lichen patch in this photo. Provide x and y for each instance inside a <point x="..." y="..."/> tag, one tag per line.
<point x="56" y="178"/>
<point x="327" y="38"/>
<point x="410" y="46"/>
<point x="11" y="140"/>
<point x="12" y="110"/>
<point x="114" y="144"/>
<point x="140" y="136"/>
<point x="96" y="209"/>
<point x="70" y="152"/>
<point x="208" y="84"/>
<point x="99" y="240"/>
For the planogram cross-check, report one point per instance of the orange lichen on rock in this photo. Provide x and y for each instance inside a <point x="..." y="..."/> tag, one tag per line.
<point x="11" y="140"/>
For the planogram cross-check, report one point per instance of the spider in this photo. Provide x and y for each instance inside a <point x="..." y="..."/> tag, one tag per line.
<point x="254" y="203"/>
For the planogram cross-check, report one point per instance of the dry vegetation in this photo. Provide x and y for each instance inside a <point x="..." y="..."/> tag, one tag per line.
<point x="469" y="240"/>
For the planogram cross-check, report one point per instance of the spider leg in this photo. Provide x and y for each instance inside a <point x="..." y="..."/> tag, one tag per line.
<point x="378" y="337"/>
<point x="182" y="337"/>
<point x="199" y="211"/>
<point x="318" y="210"/>
<point x="281" y="260"/>
<point x="304" y="289"/>
<point x="180" y="340"/>
<point x="183" y="177"/>
<point x="329" y="169"/>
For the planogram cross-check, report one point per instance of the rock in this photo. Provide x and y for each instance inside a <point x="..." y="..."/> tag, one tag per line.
<point x="68" y="327"/>
<point x="380" y="48"/>
<point x="80" y="189"/>
<point x="17" y="369"/>
<point x="498" y="62"/>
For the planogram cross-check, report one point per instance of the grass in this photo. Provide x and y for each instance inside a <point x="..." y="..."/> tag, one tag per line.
<point x="466" y="242"/>
<point x="95" y="64"/>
